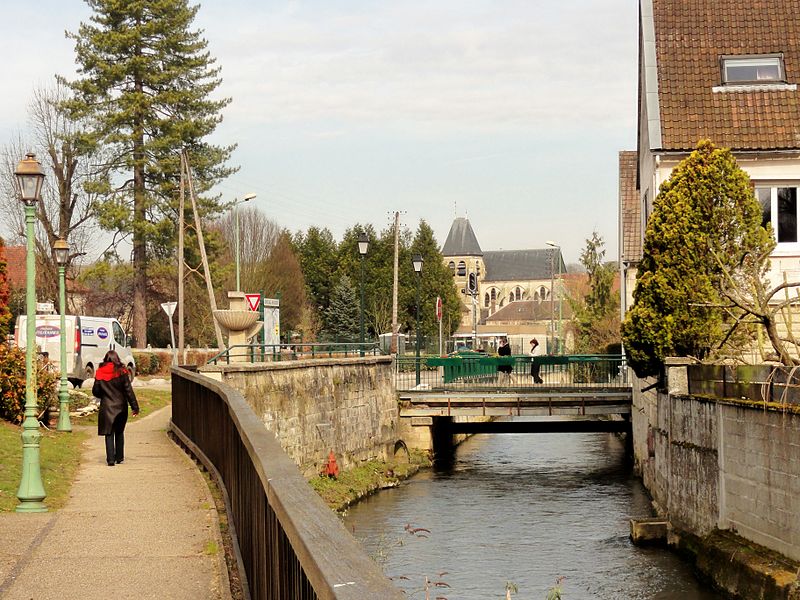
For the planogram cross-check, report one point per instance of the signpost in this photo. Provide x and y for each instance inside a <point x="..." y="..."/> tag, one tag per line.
<point x="169" y="308"/>
<point x="439" y="318"/>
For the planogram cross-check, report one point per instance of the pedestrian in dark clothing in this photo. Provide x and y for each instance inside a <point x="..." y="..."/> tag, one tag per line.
<point x="112" y="385"/>
<point x="536" y="350"/>
<point x="504" y="350"/>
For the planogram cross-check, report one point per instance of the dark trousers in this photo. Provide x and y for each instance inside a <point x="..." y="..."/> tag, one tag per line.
<point x="535" y="373"/>
<point x="115" y="444"/>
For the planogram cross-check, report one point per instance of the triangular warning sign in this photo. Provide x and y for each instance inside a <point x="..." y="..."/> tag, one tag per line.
<point x="253" y="301"/>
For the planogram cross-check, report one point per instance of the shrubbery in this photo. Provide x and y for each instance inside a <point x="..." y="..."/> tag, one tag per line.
<point x="12" y="384"/>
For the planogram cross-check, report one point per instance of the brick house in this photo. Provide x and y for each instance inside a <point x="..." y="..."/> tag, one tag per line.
<point x="725" y="70"/>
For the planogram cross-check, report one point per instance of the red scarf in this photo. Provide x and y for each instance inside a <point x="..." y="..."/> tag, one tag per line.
<point x="107" y="372"/>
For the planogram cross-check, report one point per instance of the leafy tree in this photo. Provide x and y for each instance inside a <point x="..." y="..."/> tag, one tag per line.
<point x="145" y="80"/>
<point x="705" y="220"/>
<point x="342" y="313"/>
<point x="436" y="280"/>
<point x="596" y="313"/>
<point x="5" y="311"/>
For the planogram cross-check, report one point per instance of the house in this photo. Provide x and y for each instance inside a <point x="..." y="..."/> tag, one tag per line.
<point x="513" y="294"/>
<point x="725" y="70"/>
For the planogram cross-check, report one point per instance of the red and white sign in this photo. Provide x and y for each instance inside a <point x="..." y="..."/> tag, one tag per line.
<point x="253" y="301"/>
<point x="438" y="308"/>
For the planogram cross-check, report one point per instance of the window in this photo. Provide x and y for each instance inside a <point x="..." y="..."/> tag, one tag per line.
<point x="486" y="300"/>
<point x="452" y="266"/>
<point x="119" y="335"/>
<point x="462" y="268"/>
<point x="518" y="295"/>
<point x="494" y="295"/>
<point x="779" y="208"/>
<point x="752" y="69"/>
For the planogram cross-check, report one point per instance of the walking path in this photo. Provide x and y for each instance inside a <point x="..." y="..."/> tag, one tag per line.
<point x="143" y="529"/>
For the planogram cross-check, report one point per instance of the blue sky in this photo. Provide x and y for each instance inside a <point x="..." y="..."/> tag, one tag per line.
<point x="508" y="112"/>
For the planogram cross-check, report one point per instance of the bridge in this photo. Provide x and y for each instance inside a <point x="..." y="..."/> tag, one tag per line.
<point x="578" y="393"/>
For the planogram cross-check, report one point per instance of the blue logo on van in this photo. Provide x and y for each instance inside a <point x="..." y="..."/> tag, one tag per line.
<point x="102" y="333"/>
<point x="87" y="331"/>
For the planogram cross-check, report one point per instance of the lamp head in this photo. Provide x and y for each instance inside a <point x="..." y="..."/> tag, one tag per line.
<point x="417" y="261"/>
<point x="363" y="244"/>
<point x="249" y="196"/>
<point x="61" y="249"/>
<point x="552" y="244"/>
<point x="29" y="179"/>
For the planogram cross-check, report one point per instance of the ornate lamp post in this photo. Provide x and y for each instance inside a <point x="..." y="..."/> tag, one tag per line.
<point x="31" y="491"/>
<point x="416" y="260"/>
<point x="61" y="248"/>
<point x="363" y="246"/>
<point x="236" y="235"/>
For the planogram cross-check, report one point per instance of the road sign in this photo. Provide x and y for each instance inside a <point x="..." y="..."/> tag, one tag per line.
<point x="45" y="307"/>
<point x="253" y="301"/>
<point x="169" y="308"/>
<point x="438" y="308"/>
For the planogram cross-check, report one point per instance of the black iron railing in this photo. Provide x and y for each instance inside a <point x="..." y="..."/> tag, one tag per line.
<point x="478" y="371"/>
<point x="759" y="383"/>
<point x="280" y="352"/>
<point x="292" y="546"/>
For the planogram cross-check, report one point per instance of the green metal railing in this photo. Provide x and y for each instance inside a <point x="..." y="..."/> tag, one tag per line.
<point x="479" y="371"/>
<point x="281" y="352"/>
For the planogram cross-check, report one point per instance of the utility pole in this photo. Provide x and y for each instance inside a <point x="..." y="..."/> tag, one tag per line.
<point x="181" y="225"/>
<point x="395" y="327"/>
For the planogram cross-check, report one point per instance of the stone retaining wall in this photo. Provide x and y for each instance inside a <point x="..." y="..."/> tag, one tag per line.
<point x="720" y="463"/>
<point x="347" y="405"/>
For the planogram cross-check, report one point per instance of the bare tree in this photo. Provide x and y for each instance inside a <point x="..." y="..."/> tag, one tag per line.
<point x="66" y="210"/>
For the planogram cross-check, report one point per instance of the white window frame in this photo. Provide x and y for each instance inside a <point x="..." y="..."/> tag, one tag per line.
<point x="754" y="60"/>
<point x="781" y="247"/>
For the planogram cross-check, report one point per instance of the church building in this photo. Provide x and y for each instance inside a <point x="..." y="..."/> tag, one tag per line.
<point x="517" y="293"/>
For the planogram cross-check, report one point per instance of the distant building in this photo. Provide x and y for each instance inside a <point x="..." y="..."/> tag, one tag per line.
<point x="515" y="289"/>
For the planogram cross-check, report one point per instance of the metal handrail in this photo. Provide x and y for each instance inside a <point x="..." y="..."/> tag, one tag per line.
<point x="256" y="352"/>
<point x="292" y="546"/>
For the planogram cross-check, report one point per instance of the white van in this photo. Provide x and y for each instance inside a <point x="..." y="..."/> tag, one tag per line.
<point x="88" y="340"/>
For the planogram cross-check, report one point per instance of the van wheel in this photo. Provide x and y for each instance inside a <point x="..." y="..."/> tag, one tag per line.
<point x="89" y="372"/>
<point x="131" y="371"/>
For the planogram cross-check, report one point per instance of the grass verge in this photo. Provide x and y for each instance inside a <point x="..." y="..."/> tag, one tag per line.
<point x="357" y="483"/>
<point x="60" y="455"/>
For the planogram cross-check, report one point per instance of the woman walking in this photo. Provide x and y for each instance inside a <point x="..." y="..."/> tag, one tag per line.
<point x="112" y="385"/>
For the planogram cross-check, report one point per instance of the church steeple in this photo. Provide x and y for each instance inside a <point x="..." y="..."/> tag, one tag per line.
<point x="461" y="241"/>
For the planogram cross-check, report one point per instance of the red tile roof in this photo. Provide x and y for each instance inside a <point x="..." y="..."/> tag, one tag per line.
<point x="15" y="265"/>
<point x="630" y="208"/>
<point x="691" y="36"/>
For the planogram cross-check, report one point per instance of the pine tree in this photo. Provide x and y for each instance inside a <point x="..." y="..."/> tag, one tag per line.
<point x="342" y="314"/>
<point x="144" y="82"/>
<point x="705" y="220"/>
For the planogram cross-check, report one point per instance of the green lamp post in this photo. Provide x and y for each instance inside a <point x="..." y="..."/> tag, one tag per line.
<point x="416" y="260"/>
<point x="31" y="492"/>
<point x="236" y="203"/>
<point x="363" y="246"/>
<point x="61" y="248"/>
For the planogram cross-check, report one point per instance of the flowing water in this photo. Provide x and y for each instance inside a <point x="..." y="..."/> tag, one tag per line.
<point x="524" y="509"/>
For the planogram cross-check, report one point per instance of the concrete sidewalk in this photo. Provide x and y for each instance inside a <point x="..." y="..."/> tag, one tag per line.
<point x="143" y="529"/>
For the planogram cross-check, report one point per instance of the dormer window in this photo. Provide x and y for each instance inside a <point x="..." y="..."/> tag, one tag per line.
<point x="753" y="69"/>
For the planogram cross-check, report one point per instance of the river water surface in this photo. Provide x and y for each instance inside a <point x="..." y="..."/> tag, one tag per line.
<point x="525" y="509"/>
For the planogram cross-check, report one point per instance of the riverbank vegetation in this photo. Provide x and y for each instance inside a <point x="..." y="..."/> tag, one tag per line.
<point x="357" y="483"/>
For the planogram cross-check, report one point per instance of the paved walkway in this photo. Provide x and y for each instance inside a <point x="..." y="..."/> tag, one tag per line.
<point x="142" y="529"/>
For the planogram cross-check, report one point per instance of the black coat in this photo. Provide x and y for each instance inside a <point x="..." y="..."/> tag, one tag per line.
<point x="115" y="393"/>
<point x="504" y="351"/>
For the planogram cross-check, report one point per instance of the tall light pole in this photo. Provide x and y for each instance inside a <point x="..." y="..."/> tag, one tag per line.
<point x="416" y="260"/>
<point x="236" y="203"/>
<point x="555" y="247"/>
<point x="61" y="248"/>
<point x="31" y="491"/>
<point x="363" y="246"/>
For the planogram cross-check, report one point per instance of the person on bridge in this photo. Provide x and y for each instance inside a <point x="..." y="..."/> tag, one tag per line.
<point x="505" y="350"/>
<point x="112" y="385"/>
<point x="536" y="350"/>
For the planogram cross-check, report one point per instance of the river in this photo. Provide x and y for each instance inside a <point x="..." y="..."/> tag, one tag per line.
<point x="524" y="509"/>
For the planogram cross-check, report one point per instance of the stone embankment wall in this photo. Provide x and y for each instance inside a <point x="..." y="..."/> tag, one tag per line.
<point x="720" y="463"/>
<point x="347" y="405"/>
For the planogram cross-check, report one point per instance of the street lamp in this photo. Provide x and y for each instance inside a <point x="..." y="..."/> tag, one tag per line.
<point x="236" y="203"/>
<point x="555" y="247"/>
<point x="31" y="492"/>
<point x="417" y="261"/>
<point x="363" y="246"/>
<point x="61" y="248"/>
